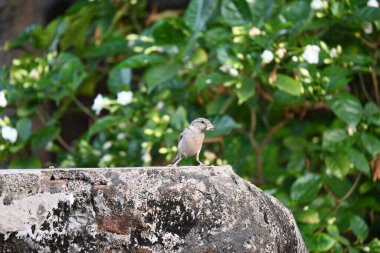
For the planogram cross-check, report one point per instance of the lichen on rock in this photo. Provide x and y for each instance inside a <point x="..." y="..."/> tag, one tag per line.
<point x="154" y="209"/>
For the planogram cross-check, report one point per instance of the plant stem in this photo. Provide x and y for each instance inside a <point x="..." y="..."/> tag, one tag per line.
<point x="374" y="77"/>
<point x="362" y="84"/>
<point x="65" y="145"/>
<point x="348" y="193"/>
<point x="84" y="108"/>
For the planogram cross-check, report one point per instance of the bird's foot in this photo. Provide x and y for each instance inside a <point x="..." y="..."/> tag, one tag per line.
<point x="201" y="164"/>
<point x="171" y="165"/>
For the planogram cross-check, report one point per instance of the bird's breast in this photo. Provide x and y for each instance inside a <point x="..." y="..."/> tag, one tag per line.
<point x="190" y="144"/>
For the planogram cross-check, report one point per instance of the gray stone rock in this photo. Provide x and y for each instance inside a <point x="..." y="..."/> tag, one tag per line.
<point x="155" y="209"/>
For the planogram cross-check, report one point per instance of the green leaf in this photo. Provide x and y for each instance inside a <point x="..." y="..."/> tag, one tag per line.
<point x="359" y="227"/>
<point x="295" y="143"/>
<point x="119" y="79"/>
<point x="333" y="138"/>
<point x="24" y="128"/>
<point x="198" y="12"/>
<point x="219" y="105"/>
<point x="374" y="245"/>
<point x="225" y="54"/>
<point x="105" y="123"/>
<point x="297" y="14"/>
<point x="159" y="74"/>
<point x="305" y="188"/>
<point x="246" y="91"/>
<point x="337" y="165"/>
<point x="236" y="13"/>
<point x="289" y="85"/>
<point x="169" y="32"/>
<point x="179" y="118"/>
<point x="320" y="242"/>
<point x="358" y="160"/>
<point x="308" y="216"/>
<point x="107" y="48"/>
<point x="69" y="72"/>
<point x="199" y="57"/>
<point x="368" y="14"/>
<point x="346" y="107"/>
<point x="212" y="79"/>
<point x="371" y="143"/>
<point x="217" y="36"/>
<point x="29" y="162"/>
<point x="372" y="113"/>
<point x="333" y="230"/>
<point x="337" y="77"/>
<point x="284" y="98"/>
<point x="43" y="136"/>
<point x="339" y="186"/>
<point x="223" y="125"/>
<point x="142" y="60"/>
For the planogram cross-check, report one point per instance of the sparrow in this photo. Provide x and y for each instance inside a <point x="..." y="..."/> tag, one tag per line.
<point x="191" y="139"/>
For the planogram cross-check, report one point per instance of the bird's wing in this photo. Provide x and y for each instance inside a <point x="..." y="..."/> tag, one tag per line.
<point x="182" y="134"/>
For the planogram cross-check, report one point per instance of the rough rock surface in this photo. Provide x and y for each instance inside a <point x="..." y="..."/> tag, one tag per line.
<point x="155" y="209"/>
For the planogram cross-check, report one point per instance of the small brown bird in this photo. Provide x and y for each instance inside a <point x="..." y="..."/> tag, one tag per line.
<point x="191" y="139"/>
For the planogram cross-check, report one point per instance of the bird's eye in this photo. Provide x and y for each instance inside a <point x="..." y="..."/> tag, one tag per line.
<point x="202" y="121"/>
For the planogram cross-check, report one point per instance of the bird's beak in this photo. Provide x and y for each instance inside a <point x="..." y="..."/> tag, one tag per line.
<point x="210" y="127"/>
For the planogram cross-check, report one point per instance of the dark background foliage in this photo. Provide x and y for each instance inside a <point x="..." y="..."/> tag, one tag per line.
<point x="304" y="129"/>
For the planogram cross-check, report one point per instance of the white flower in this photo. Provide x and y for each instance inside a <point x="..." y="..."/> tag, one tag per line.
<point x="254" y="31"/>
<point x="351" y="130"/>
<point x="120" y="136"/>
<point x="224" y="68"/>
<point x="267" y="56"/>
<point x="9" y="133"/>
<point x="316" y="5"/>
<point x="146" y="157"/>
<point x="99" y="104"/>
<point x="294" y="58"/>
<point x="160" y="105"/>
<point x="106" y="159"/>
<point x="107" y="144"/>
<point x="124" y="97"/>
<point x="373" y="3"/>
<point x="233" y="72"/>
<point x="311" y="54"/>
<point x="333" y="52"/>
<point x="35" y="74"/>
<point x="281" y="52"/>
<point x="367" y="27"/>
<point x="3" y="99"/>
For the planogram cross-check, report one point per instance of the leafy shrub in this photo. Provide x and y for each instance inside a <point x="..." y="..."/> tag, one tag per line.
<point x="291" y="87"/>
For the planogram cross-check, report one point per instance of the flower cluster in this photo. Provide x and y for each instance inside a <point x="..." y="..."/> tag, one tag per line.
<point x="9" y="133"/>
<point x="101" y="102"/>
<point x="3" y="99"/>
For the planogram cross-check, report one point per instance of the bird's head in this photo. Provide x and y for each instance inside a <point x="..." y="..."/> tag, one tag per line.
<point x="202" y="124"/>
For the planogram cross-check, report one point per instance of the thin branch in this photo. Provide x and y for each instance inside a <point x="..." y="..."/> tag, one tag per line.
<point x="272" y="130"/>
<point x="64" y="144"/>
<point x="256" y="146"/>
<point x="84" y="108"/>
<point x="60" y="140"/>
<point x="374" y="77"/>
<point x="364" y="89"/>
<point x="253" y="125"/>
<point x="369" y="44"/>
<point x="348" y="193"/>
<point x="264" y="94"/>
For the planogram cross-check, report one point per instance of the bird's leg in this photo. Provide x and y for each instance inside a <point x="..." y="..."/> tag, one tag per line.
<point x="176" y="160"/>
<point x="175" y="164"/>
<point x="200" y="163"/>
